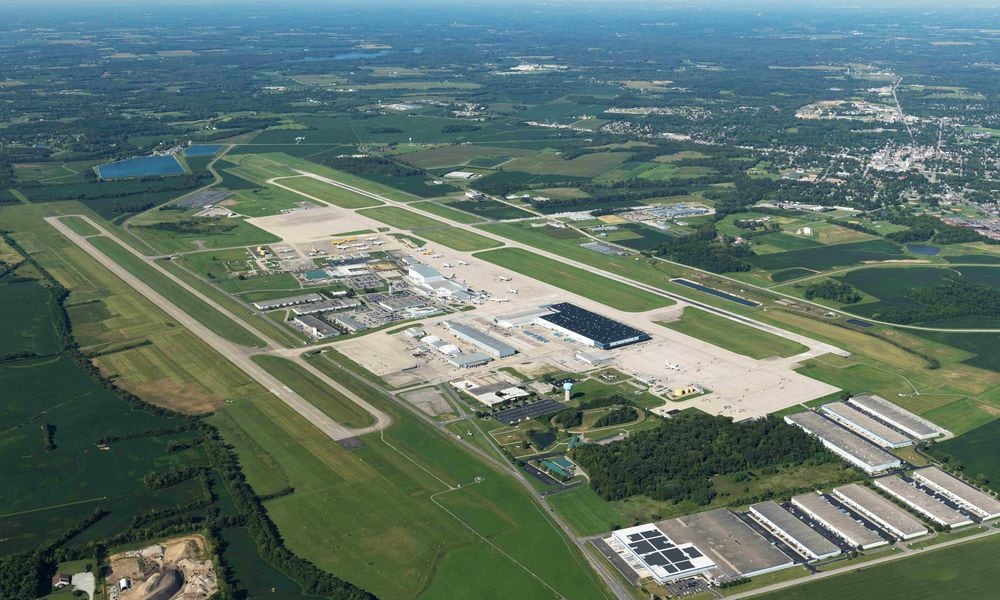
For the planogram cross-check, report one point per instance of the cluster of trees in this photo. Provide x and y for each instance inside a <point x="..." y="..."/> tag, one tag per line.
<point x="573" y="417"/>
<point x="677" y="460"/>
<point x="702" y="249"/>
<point x="832" y="290"/>
<point x="48" y="436"/>
<point x="210" y="225"/>
<point x="159" y="480"/>
<point x="459" y="128"/>
<point x="617" y="416"/>
<point x="923" y="228"/>
<point x="369" y="166"/>
<point x="954" y="298"/>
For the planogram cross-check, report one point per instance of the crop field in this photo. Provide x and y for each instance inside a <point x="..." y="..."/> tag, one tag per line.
<point x="827" y="257"/>
<point x="430" y="229"/>
<point x="491" y="209"/>
<point x="790" y="274"/>
<point x="423" y="549"/>
<point x="574" y="280"/>
<point x="329" y="193"/>
<point x="638" y="237"/>
<point x="26" y="321"/>
<point x="233" y="182"/>
<point x="977" y="450"/>
<point x="961" y="571"/>
<point x="587" y="165"/>
<point x="211" y="318"/>
<point x="458" y="155"/>
<point x="733" y="336"/>
<point x="782" y="242"/>
<point x="336" y="406"/>
<point x="669" y="172"/>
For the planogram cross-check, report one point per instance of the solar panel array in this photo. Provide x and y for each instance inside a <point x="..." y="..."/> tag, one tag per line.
<point x="657" y="550"/>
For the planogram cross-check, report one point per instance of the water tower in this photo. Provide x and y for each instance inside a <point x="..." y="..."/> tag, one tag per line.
<point x="567" y="390"/>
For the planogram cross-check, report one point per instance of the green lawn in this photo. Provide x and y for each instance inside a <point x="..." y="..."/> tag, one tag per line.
<point x="447" y="212"/>
<point x="962" y="571"/>
<point x="329" y="193"/>
<point x="574" y="280"/>
<point x="430" y="229"/>
<point x="336" y="406"/>
<point x="205" y="314"/>
<point x="165" y="242"/>
<point x="80" y="226"/>
<point x="733" y="336"/>
<point x="585" y="511"/>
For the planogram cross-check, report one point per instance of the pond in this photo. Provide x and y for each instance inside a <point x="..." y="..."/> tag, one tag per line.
<point x="202" y="150"/>
<point x="141" y="167"/>
<point x="923" y="249"/>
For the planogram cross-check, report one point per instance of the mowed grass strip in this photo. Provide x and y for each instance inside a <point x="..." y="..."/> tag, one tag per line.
<point x="576" y="281"/>
<point x="430" y="229"/>
<point x="80" y="226"/>
<point x="336" y="406"/>
<point x="329" y="193"/>
<point x="963" y="571"/>
<point x="732" y="336"/>
<point x="202" y="312"/>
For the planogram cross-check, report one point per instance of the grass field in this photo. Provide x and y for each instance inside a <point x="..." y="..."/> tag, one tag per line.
<point x="962" y="571"/>
<point x="587" y="165"/>
<point x="166" y="242"/>
<point x="80" y="226"/>
<point x="733" y="336"/>
<point x="824" y="257"/>
<point x="329" y="193"/>
<point x="26" y="323"/>
<point x="585" y="511"/>
<point x="446" y="211"/>
<point x="205" y="314"/>
<point x="574" y="280"/>
<point x="336" y="406"/>
<point x="458" y="155"/>
<point x="430" y="229"/>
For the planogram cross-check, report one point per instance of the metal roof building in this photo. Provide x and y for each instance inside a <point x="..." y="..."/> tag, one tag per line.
<point x="976" y="501"/>
<point x="316" y="327"/>
<point x="648" y="548"/>
<point x="865" y="426"/>
<point x="790" y="529"/>
<point x="900" y="418"/>
<point x="838" y="521"/>
<point x="882" y="512"/>
<point x="855" y="450"/>
<point x="484" y="342"/>
<point x="589" y="328"/>
<point x="468" y="361"/>
<point x="289" y="301"/>
<point x="922" y="502"/>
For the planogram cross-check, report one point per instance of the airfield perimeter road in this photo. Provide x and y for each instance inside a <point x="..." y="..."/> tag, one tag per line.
<point x="239" y="355"/>
<point x="683" y="300"/>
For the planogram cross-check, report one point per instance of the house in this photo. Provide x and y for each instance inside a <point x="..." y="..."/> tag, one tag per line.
<point x="61" y="580"/>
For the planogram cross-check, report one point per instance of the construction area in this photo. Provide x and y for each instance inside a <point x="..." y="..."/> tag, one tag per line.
<point x="176" y="569"/>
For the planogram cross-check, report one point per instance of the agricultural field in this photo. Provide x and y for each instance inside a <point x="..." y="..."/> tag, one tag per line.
<point x="733" y="336"/>
<point x="461" y="155"/>
<point x="820" y="258"/>
<point x="26" y="323"/>
<point x="491" y="209"/>
<point x="961" y="571"/>
<point x="574" y="280"/>
<point x="977" y="451"/>
<point x="430" y="229"/>
<point x="550" y="163"/>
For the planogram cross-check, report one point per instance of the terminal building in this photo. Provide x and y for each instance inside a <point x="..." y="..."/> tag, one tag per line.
<point x="922" y="502"/>
<point x="977" y="502"/>
<point x="433" y="283"/>
<point x="900" y="418"/>
<point x="869" y="504"/>
<point x="865" y="426"/>
<point x="788" y="528"/>
<point x="838" y="521"/>
<point x="484" y="342"/>
<point x="589" y="328"/>
<point x="859" y="452"/>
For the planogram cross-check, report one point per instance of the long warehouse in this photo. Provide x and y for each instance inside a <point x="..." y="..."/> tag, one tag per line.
<point x="982" y="504"/>
<point x="922" y="502"/>
<point x="484" y="342"/>
<point x="806" y="541"/>
<point x="588" y="327"/>
<point x="899" y="418"/>
<point x="838" y="521"/>
<point x="855" y="450"/>
<point x="882" y="512"/>
<point x="865" y="426"/>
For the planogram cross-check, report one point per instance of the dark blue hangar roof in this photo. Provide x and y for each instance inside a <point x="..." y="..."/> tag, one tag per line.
<point x="605" y="333"/>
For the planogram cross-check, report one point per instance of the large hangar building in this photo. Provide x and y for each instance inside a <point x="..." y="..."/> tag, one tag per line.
<point x="588" y="327"/>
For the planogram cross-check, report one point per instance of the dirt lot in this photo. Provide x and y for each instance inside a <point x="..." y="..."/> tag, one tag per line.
<point x="177" y="569"/>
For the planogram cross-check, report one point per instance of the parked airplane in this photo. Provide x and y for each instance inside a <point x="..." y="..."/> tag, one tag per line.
<point x="462" y="262"/>
<point x="502" y="278"/>
<point x="512" y="290"/>
<point x="672" y="366"/>
<point x="504" y="299"/>
<point x="447" y="265"/>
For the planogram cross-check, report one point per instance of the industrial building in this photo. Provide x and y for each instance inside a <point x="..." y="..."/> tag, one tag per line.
<point x="525" y="317"/>
<point x="469" y="361"/>
<point x="286" y="302"/>
<point x="491" y="394"/>
<point x="838" y="521"/>
<point x="647" y="549"/>
<point x="882" y="512"/>
<point x="980" y="503"/>
<point x="589" y="328"/>
<point x="350" y="324"/>
<point x="899" y="418"/>
<point x="316" y="327"/>
<point x="865" y="426"/>
<point x="788" y="528"/>
<point x="484" y="342"/>
<point x="594" y="359"/>
<point x="325" y="306"/>
<point x="440" y="345"/>
<point x="922" y="502"/>
<point x="855" y="450"/>
<point x="433" y="283"/>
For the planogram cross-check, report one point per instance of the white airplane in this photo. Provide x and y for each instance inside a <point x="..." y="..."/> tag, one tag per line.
<point x="377" y="243"/>
<point x="504" y="299"/>
<point x="512" y="290"/>
<point x="462" y="262"/>
<point x="448" y="265"/>
<point x="372" y="239"/>
<point x="436" y="255"/>
<point x="502" y="278"/>
<point x="672" y="366"/>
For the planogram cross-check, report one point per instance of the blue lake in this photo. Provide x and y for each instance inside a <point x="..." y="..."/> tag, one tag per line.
<point x="202" y="150"/>
<point x="923" y="249"/>
<point x="141" y="167"/>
